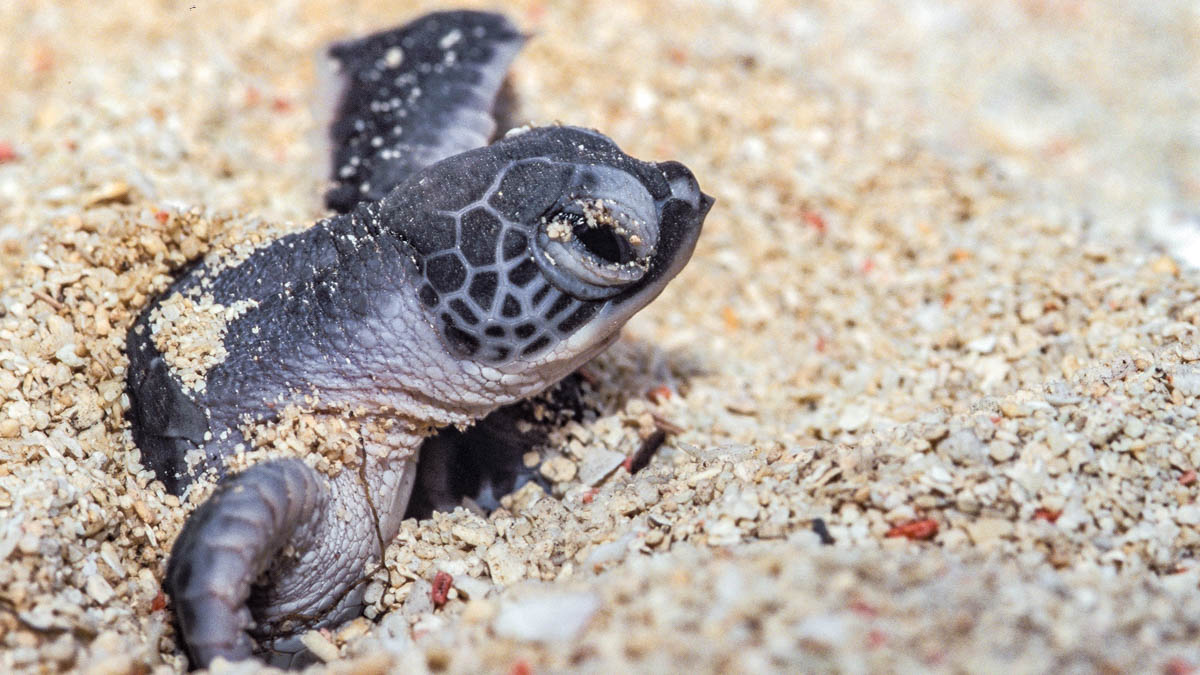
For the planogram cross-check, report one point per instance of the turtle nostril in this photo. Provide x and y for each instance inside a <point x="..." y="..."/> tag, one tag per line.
<point x="604" y="243"/>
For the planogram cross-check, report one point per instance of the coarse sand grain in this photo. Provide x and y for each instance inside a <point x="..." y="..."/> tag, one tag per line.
<point x="925" y="399"/>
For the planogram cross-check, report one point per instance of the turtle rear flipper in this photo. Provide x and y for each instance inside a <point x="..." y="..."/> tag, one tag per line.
<point x="412" y="96"/>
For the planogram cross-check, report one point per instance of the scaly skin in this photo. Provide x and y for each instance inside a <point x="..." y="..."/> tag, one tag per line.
<point x="477" y="281"/>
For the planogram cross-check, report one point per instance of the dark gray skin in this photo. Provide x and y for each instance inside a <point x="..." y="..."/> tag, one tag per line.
<point x="461" y="278"/>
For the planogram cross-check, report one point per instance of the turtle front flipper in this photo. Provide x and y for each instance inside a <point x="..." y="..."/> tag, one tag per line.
<point x="226" y="545"/>
<point x="414" y="95"/>
<point x="279" y="549"/>
<point x="482" y="463"/>
<point x="487" y="460"/>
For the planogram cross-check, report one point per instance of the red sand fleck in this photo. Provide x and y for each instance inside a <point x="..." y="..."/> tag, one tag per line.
<point x="821" y="344"/>
<point x="628" y="463"/>
<point x="441" y="588"/>
<point x="1047" y="515"/>
<point x="1188" y="477"/>
<point x="162" y="217"/>
<point x="587" y="376"/>
<point x="915" y="530"/>
<point x="589" y="495"/>
<point x="876" y="638"/>
<point x="814" y="220"/>
<point x="868" y="265"/>
<point x="7" y="153"/>
<point x="1179" y="666"/>
<point x="863" y="608"/>
<point x="280" y="104"/>
<point x="43" y="59"/>
<point x="159" y="602"/>
<point x="659" y="394"/>
<point x="520" y="667"/>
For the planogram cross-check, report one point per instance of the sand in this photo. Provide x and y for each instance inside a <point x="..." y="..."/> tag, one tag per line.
<point x="930" y="382"/>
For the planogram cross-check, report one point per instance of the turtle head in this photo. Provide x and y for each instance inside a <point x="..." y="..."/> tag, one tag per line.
<point x="548" y="242"/>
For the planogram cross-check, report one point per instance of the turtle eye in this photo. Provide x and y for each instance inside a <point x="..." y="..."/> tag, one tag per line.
<point x="600" y="237"/>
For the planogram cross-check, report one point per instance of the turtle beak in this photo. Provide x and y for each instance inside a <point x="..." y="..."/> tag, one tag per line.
<point x="685" y="188"/>
<point x="681" y="217"/>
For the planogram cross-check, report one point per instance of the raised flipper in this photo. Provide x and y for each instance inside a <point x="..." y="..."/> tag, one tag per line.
<point x="412" y="96"/>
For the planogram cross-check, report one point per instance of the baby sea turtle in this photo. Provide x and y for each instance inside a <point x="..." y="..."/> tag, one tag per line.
<point x="457" y="277"/>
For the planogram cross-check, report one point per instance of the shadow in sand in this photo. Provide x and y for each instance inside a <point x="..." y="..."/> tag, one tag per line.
<point x="485" y="462"/>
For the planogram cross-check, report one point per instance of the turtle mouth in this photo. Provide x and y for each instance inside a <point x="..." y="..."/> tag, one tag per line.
<point x="591" y="248"/>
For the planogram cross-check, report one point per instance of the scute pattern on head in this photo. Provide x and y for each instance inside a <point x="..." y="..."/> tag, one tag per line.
<point x="478" y="276"/>
<point x="530" y="187"/>
<point x="474" y="218"/>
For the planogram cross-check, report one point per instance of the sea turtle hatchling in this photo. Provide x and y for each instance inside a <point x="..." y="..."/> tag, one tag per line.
<point x="458" y="277"/>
